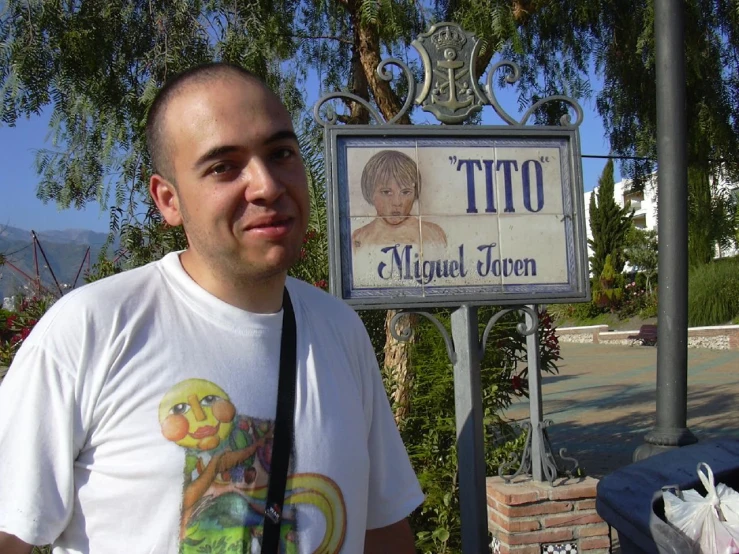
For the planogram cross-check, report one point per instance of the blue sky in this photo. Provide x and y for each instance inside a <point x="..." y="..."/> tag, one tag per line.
<point x="19" y="206"/>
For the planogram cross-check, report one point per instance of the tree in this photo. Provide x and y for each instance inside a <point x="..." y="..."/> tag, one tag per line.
<point x="711" y="217"/>
<point x="608" y="290"/>
<point x="641" y="253"/>
<point x="609" y="224"/>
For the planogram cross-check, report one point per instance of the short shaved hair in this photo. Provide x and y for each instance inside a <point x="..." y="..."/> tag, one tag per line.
<point x="156" y="140"/>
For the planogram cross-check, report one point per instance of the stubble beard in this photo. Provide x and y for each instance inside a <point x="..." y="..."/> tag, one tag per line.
<point x="234" y="264"/>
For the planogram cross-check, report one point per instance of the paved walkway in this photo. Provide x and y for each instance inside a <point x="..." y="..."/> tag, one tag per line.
<point x="602" y="402"/>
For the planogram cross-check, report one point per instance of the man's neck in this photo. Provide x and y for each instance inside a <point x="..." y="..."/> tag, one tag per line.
<point x="260" y="296"/>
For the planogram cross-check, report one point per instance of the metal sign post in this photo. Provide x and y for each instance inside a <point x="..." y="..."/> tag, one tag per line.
<point x="423" y="216"/>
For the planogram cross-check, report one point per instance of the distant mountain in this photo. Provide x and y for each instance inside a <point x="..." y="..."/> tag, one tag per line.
<point x="65" y="251"/>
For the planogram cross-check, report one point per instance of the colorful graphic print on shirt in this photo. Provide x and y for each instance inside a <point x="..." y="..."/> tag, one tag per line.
<point x="226" y="475"/>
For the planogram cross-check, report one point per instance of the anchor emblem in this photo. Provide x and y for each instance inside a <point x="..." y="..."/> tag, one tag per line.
<point x="450" y="89"/>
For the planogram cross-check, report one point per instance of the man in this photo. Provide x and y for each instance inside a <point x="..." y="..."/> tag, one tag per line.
<point x="138" y="416"/>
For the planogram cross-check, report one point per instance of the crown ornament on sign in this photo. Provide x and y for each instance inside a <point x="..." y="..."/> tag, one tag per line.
<point x="448" y="37"/>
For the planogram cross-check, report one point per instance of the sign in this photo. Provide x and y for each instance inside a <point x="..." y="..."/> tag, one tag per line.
<point x="442" y="216"/>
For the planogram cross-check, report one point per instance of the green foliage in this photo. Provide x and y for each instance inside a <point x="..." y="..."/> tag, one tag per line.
<point x="313" y="264"/>
<point x="609" y="289"/>
<point x="609" y="224"/>
<point x="711" y="216"/>
<point x="637" y="300"/>
<point x="713" y="293"/>
<point x="649" y="306"/>
<point x="581" y="313"/>
<point x="642" y="253"/>
<point x="429" y="431"/>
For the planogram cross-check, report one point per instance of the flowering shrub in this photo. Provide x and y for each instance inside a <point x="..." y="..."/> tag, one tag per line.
<point x="16" y="326"/>
<point x="637" y="300"/>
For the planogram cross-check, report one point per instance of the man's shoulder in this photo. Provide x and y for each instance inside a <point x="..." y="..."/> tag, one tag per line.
<point x="319" y="304"/>
<point x="115" y="286"/>
<point x="107" y="295"/>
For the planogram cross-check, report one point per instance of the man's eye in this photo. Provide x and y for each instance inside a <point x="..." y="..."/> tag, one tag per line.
<point x="407" y="192"/>
<point x="386" y="192"/>
<point x="221" y="168"/>
<point x="179" y="409"/>
<point x="283" y="153"/>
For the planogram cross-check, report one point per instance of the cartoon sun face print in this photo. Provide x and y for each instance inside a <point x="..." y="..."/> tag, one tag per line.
<point x="196" y="414"/>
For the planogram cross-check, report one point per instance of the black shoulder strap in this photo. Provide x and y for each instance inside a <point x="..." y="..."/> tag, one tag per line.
<point x="284" y="430"/>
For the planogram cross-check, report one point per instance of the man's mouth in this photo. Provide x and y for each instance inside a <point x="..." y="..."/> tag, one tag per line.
<point x="271" y="227"/>
<point x="205" y="431"/>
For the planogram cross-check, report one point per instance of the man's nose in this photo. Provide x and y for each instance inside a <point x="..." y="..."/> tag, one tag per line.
<point x="263" y="183"/>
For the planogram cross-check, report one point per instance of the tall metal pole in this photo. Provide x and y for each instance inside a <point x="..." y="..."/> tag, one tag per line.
<point x="535" y="400"/>
<point x="470" y="436"/>
<point x="671" y="429"/>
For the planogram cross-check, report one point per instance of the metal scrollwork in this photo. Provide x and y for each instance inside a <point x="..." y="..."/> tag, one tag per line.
<point x="548" y="462"/>
<point x="565" y="119"/>
<point x="575" y="471"/>
<point x="407" y="333"/>
<point x="386" y="75"/>
<point x="524" y="465"/>
<point x="521" y="327"/>
<point x="332" y="118"/>
<point x="510" y="78"/>
<point x="449" y="89"/>
<point x="550" y="467"/>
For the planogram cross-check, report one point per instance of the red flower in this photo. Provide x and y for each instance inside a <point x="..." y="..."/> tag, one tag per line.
<point x="303" y="253"/>
<point x="516" y="383"/>
<point x="25" y="332"/>
<point x="322" y="284"/>
<point x="10" y="320"/>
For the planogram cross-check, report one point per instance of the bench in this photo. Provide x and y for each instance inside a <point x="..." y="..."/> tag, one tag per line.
<point x="647" y="336"/>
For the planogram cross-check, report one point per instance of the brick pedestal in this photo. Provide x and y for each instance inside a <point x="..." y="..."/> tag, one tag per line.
<point x="527" y="517"/>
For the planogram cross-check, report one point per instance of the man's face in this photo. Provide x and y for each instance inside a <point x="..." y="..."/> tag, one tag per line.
<point x="393" y="202"/>
<point x="241" y="189"/>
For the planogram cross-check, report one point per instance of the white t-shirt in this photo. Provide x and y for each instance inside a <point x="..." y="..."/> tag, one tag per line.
<point x="137" y="417"/>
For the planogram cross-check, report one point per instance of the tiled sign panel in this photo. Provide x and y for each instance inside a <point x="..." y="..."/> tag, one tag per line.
<point x="432" y="219"/>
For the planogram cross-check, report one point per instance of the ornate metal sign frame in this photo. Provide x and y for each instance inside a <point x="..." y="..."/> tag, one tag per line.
<point x="449" y="90"/>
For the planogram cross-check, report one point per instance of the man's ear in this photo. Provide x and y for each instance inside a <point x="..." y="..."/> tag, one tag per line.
<point x="164" y="194"/>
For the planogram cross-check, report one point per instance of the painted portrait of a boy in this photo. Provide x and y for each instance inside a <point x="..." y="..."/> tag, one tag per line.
<point x="391" y="182"/>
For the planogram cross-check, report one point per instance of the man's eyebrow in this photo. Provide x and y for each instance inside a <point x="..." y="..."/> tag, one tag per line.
<point x="218" y="151"/>
<point x="282" y="135"/>
<point x="215" y="152"/>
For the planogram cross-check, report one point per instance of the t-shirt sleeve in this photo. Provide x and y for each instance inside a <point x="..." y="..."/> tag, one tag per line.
<point x="394" y="491"/>
<point x="39" y="431"/>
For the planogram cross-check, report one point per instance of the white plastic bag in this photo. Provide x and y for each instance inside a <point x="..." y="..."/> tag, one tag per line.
<point x="711" y="521"/>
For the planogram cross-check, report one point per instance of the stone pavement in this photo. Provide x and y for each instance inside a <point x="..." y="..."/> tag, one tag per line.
<point x="602" y="402"/>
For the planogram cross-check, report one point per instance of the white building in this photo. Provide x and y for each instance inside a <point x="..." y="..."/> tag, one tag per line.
<point x="644" y="205"/>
